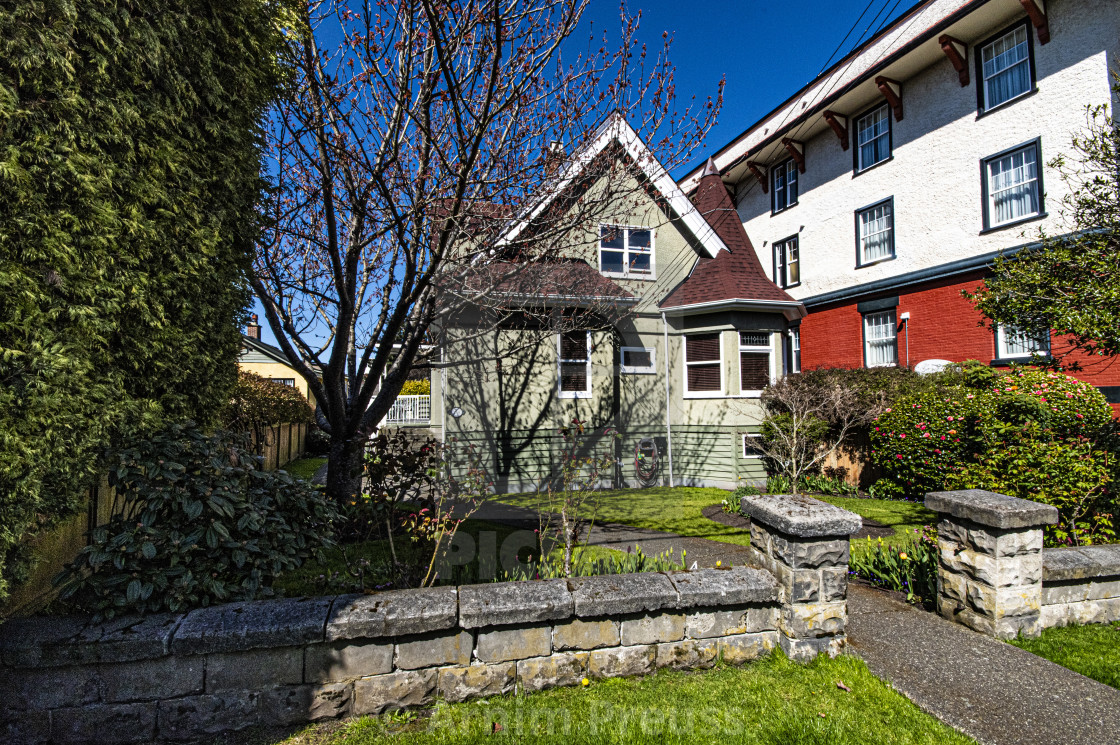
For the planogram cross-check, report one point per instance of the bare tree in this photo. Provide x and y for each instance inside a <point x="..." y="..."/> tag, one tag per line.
<point x="411" y="136"/>
<point x="806" y="423"/>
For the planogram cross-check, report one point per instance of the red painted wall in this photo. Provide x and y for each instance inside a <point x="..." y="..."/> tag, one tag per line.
<point x="942" y="325"/>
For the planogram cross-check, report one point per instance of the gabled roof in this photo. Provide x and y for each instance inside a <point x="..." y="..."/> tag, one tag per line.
<point x="267" y="350"/>
<point x="615" y="129"/>
<point x="734" y="278"/>
<point x="563" y="281"/>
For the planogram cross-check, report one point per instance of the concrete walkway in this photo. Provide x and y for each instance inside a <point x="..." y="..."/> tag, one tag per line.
<point x="989" y="690"/>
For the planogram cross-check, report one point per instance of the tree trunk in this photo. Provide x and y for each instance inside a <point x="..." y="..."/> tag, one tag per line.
<point x="344" y="470"/>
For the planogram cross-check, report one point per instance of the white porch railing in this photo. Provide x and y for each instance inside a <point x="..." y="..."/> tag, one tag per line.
<point x="408" y="409"/>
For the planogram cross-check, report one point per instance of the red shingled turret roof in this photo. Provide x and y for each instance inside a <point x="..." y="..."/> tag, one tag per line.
<point x="735" y="274"/>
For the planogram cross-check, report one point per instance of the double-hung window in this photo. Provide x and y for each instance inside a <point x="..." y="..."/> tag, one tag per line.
<point x="787" y="262"/>
<point x="880" y="339"/>
<point x="783" y="186"/>
<point x="793" y="351"/>
<point x="873" y="137"/>
<point x="1005" y="67"/>
<point x="875" y="233"/>
<point x="626" y="252"/>
<point x="1012" y="186"/>
<point x="703" y="365"/>
<point x="1013" y="342"/>
<point x="574" y="364"/>
<point x="754" y="361"/>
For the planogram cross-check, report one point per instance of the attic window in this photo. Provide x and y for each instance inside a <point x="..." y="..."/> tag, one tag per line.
<point x="626" y="252"/>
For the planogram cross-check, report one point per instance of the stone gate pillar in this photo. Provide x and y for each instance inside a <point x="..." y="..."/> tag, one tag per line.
<point x="989" y="575"/>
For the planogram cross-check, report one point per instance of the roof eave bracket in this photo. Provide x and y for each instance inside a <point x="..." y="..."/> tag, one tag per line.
<point x="839" y="124"/>
<point x="796" y="150"/>
<point x="892" y="91"/>
<point x="756" y="171"/>
<point x="1038" y="18"/>
<point x="957" y="52"/>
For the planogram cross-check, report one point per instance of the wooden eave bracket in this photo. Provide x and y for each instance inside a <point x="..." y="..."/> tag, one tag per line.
<point x="892" y="91"/>
<point x="756" y="171"/>
<point x="796" y="150"/>
<point x="839" y="124"/>
<point x="1038" y="18"/>
<point x="957" y="52"/>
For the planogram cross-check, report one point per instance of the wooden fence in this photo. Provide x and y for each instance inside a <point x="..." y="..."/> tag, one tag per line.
<point x="282" y="443"/>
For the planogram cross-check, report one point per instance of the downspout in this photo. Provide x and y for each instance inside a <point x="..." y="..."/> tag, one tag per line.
<point x="443" y="396"/>
<point x="668" y="425"/>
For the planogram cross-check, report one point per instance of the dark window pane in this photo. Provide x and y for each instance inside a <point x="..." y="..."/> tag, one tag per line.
<point x="637" y="358"/>
<point x="754" y="370"/>
<point x="573" y="376"/>
<point x="703" y="378"/>
<point x="610" y="237"/>
<point x="612" y="261"/>
<point x="573" y="345"/>
<point x="639" y="263"/>
<point x="702" y="348"/>
<point x="639" y="238"/>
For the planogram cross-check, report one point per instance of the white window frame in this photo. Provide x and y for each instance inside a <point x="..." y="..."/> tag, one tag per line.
<point x="862" y="259"/>
<point x="768" y="349"/>
<point x="787" y="171"/>
<point x="626" y="273"/>
<point x="1001" y="344"/>
<point x="751" y="453"/>
<point x="560" y="361"/>
<point x="794" y="336"/>
<point x="637" y="369"/>
<point x="885" y="110"/>
<point x="892" y="312"/>
<point x="1035" y="148"/>
<point x="982" y="78"/>
<point x="781" y="261"/>
<point x="722" y="392"/>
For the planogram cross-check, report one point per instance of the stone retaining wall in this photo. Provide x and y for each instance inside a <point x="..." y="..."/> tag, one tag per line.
<point x="1080" y="585"/>
<point x="193" y="675"/>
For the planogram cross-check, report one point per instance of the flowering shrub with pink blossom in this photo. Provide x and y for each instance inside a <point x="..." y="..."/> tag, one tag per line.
<point x="1034" y="434"/>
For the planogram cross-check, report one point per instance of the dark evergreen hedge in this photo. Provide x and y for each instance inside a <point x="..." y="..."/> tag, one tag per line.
<point x="129" y="172"/>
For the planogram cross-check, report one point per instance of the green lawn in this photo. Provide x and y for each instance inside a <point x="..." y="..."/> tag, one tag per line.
<point x="771" y="702"/>
<point x="304" y="468"/>
<point x="678" y="511"/>
<point x="1092" y="650"/>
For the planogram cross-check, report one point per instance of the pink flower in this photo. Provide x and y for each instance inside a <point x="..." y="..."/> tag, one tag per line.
<point x="899" y="457"/>
<point x="888" y="411"/>
<point x="903" y="436"/>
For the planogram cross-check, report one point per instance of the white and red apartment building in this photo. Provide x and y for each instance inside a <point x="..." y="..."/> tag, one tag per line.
<point x="879" y="191"/>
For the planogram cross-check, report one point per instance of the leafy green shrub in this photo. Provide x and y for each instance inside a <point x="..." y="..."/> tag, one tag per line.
<point x="258" y="403"/>
<point x="202" y="525"/>
<point x="416" y="388"/>
<point x="910" y="568"/>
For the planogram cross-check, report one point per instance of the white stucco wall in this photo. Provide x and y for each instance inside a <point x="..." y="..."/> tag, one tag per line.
<point x="935" y="174"/>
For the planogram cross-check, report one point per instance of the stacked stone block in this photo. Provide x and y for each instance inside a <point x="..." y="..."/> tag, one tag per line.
<point x="1080" y="585"/>
<point x="804" y="543"/>
<point x="990" y="560"/>
<point x="192" y="676"/>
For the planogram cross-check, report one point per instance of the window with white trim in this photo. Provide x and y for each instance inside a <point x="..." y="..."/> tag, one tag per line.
<point x="787" y="262"/>
<point x="873" y="138"/>
<point x="875" y="233"/>
<point x="748" y="451"/>
<point x="754" y="361"/>
<point x="290" y="382"/>
<point x="1012" y="186"/>
<point x="1013" y="342"/>
<point x="793" y="351"/>
<point x="703" y="365"/>
<point x="636" y="360"/>
<point x="783" y="186"/>
<point x="880" y="339"/>
<point x="574" y="364"/>
<point x="1005" y="68"/>
<point x="626" y="252"/>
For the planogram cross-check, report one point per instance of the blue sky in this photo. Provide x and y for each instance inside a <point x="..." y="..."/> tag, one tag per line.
<point x="766" y="50"/>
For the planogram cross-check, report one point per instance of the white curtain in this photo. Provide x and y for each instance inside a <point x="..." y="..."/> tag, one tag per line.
<point x="1013" y="183"/>
<point x="879" y="331"/>
<point x="875" y="233"/>
<point x="1006" y="68"/>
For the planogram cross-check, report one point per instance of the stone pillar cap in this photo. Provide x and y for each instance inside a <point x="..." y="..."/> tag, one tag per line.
<point x="801" y="516"/>
<point x="992" y="510"/>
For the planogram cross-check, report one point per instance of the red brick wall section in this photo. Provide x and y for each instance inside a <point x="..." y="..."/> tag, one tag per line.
<point x="942" y="325"/>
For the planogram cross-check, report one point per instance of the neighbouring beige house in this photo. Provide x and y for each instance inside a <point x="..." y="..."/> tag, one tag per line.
<point x="268" y="361"/>
<point x="687" y="331"/>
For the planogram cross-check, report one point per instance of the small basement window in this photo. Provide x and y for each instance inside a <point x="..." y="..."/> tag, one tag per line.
<point x="636" y="360"/>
